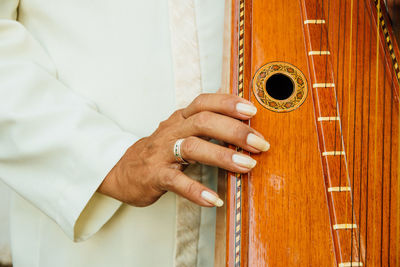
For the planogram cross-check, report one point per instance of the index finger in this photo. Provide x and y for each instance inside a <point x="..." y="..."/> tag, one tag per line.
<point x="177" y="182"/>
<point x="230" y="105"/>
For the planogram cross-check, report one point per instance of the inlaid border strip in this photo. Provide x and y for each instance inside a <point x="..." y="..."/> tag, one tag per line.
<point x="238" y="184"/>
<point x="388" y="41"/>
<point x="238" y="218"/>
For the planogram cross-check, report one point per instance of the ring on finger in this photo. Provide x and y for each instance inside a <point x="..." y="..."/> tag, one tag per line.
<point x="177" y="152"/>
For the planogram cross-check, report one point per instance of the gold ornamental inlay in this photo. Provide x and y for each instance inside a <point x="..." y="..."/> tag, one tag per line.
<point x="299" y="81"/>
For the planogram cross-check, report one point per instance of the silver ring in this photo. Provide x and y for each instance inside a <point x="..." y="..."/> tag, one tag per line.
<point x="177" y="152"/>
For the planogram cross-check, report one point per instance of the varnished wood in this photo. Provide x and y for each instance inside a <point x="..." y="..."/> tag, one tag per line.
<point x="291" y="214"/>
<point x="394" y="12"/>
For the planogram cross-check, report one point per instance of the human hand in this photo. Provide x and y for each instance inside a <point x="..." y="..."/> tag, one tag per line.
<point x="149" y="168"/>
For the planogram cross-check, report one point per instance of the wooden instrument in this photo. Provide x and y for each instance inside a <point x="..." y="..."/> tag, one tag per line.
<point x="325" y="78"/>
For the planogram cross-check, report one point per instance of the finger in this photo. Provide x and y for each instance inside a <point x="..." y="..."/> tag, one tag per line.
<point x="194" y="149"/>
<point x="179" y="183"/>
<point x="224" y="128"/>
<point x="229" y="105"/>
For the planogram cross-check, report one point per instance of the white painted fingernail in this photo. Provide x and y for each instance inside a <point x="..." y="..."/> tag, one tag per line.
<point x="257" y="142"/>
<point x="212" y="199"/>
<point x="246" y="109"/>
<point x="244" y="161"/>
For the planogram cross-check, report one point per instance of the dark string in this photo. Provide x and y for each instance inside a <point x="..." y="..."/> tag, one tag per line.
<point x="320" y="38"/>
<point x="368" y="139"/>
<point x="337" y="79"/>
<point x="342" y="113"/>
<point x="362" y="139"/>
<point x="354" y="134"/>
<point x="390" y="165"/>
<point x="327" y="38"/>
<point x="362" y="126"/>
<point x="383" y="147"/>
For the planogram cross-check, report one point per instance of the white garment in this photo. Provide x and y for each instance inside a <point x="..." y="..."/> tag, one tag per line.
<point x="5" y="252"/>
<point x="80" y="81"/>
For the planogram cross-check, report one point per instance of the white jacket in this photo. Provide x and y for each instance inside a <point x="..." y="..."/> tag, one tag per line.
<point x="81" y="81"/>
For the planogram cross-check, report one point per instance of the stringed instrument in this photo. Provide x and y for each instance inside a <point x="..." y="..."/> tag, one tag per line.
<point x="325" y="78"/>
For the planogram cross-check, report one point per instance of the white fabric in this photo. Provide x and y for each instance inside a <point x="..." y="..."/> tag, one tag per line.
<point x="210" y="23"/>
<point x="185" y="51"/>
<point x="5" y="251"/>
<point x="80" y="82"/>
<point x="187" y="77"/>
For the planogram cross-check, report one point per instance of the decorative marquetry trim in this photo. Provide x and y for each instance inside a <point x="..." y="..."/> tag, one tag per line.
<point x="238" y="177"/>
<point x="297" y="78"/>
<point x="388" y="41"/>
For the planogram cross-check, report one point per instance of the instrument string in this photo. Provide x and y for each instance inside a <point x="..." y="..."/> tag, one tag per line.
<point x="326" y="61"/>
<point x="320" y="37"/>
<point x="327" y="48"/>
<point x="337" y="79"/>
<point x="376" y="125"/>
<point x="342" y="86"/>
<point x="349" y="80"/>
<point x="362" y="138"/>
<point x="368" y="139"/>
<point x="354" y="134"/>
<point x="347" y="149"/>
<point x="383" y="153"/>
<point x="398" y="190"/>
<point x="390" y="164"/>
<point x="397" y="198"/>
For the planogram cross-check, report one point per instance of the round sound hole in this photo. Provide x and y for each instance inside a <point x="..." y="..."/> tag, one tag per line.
<point x="279" y="86"/>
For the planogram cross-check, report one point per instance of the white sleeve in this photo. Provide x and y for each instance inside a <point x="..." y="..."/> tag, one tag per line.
<point x="55" y="147"/>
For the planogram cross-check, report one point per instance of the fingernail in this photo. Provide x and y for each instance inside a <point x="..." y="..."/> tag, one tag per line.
<point x="257" y="142"/>
<point x="211" y="198"/>
<point x="244" y="161"/>
<point x="246" y="109"/>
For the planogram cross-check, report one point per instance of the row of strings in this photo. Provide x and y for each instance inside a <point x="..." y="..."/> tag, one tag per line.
<point x="368" y="106"/>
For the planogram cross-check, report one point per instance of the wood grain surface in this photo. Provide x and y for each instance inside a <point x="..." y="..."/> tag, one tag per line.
<point x="326" y="193"/>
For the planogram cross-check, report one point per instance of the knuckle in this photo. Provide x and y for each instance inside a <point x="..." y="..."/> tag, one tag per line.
<point x="202" y="119"/>
<point x="162" y="124"/>
<point x="177" y="114"/>
<point x="168" y="181"/>
<point x="199" y="101"/>
<point x="221" y="155"/>
<point x="229" y="102"/>
<point x="190" y="189"/>
<point x="240" y="130"/>
<point x="190" y="146"/>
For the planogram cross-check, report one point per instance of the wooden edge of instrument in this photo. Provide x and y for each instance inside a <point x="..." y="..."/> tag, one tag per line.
<point x="384" y="43"/>
<point x="238" y="249"/>
<point x="230" y="189"/>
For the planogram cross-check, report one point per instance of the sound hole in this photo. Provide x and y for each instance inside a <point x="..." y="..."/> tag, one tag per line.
<point x="279" y="86"/>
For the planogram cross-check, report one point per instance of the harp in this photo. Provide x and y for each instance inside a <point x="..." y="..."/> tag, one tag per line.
<point x="324" y="75"/>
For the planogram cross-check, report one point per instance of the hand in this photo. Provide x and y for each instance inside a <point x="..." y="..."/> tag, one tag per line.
<point x="149" y="168"/>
